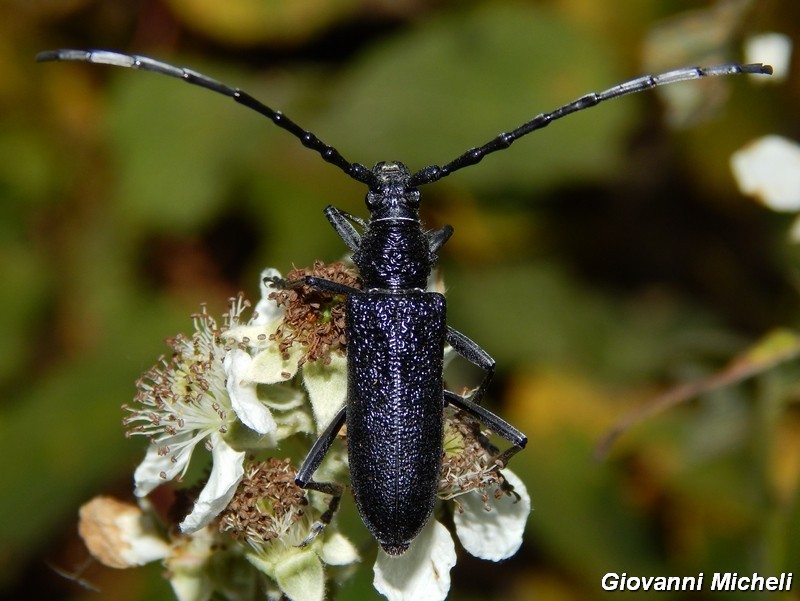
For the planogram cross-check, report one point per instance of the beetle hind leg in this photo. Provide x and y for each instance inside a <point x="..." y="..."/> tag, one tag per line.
<point x="473" y="353"/>
<point x="495" y="423"/>
<point x="328" y="488"/>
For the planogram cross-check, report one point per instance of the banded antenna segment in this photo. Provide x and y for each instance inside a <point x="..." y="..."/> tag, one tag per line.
<point x="502" y="141"/>
<point x="428" y="174"/>
<point x="133" y="61"/>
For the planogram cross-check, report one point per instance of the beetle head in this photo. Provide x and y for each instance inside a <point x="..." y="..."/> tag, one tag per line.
<point x="390" y="196"/>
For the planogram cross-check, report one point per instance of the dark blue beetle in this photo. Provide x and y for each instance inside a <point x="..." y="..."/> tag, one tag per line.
<point x="396" y="334"/>
<point x="396" y="330"/>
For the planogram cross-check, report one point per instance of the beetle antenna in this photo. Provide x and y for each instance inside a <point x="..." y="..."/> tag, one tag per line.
<point x="502" y="141"/>
<point x="132" y="61"/>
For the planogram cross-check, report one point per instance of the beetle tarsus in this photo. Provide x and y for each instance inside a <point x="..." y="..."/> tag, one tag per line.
<point x="328" y="488"/>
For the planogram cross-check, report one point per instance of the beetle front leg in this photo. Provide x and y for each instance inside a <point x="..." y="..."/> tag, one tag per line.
<point x="310" y="465"/>
<point x="314" y="282"/>
<point x="437" y="238"/>
<point x="341" y="222"/>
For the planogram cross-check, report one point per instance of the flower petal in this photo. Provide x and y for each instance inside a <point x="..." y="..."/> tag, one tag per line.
<point x="327" y="388"/>
<point x="166" y="459"/>
<point x="244" y="400"/>
<point x="266" y="309"/>
<point x="225" y="477"/>
<point x="120" y="535"/>
<point x="769" y="169"/>
<point x="269" y="366"/>
<point x="423" y="572"/>
<point x="495" y="534"/>
<point x="773" y="49"/>
<point x="337" y="550"/>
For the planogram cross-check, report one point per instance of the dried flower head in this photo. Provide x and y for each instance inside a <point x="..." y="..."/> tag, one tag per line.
<point x="468" y="463"/>
<point x="313" y="318"/>
<point x="266" y="504"/>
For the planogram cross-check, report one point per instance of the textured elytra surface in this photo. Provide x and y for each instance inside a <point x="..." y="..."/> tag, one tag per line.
<point x="394" y="411"/>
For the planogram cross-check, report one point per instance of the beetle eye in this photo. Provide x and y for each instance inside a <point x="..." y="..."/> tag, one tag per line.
<point x="412" y="198"/>
<point x="373" y="200"/>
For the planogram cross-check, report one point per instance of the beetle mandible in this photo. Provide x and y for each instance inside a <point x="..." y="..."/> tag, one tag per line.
<point x="396" y="330"/>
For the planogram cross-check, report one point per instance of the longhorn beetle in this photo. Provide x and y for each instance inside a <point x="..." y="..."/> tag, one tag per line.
<point x="396" y="330"/>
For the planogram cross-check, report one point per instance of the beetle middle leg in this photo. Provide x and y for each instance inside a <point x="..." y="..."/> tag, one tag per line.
<point x="475" y="355"/>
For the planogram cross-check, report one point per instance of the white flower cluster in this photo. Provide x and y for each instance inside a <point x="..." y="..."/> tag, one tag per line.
<point x="241" y="389"/>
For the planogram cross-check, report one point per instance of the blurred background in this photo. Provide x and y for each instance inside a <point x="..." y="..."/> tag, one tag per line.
<point x="603" y="261"/>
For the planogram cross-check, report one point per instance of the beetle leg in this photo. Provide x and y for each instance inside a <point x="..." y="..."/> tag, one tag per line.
<point x="475" y="355"/>
<point x="341" y="222"/>
<point x="437" y="238"/>
<point x="318" y="450"/>
<point x="329" y="488"/>
<point x="310" y="465"/>
<point x="495" y="423"/>
<point x="314" y="282"/>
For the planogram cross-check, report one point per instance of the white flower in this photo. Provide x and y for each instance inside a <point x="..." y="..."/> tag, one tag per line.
<point x="487" y="528"/>
<point x="226" y="473"/>
<point x="265" y="531"/>
<point x="243" y="388"/>
<point x="203" y="394"/>
<point x="769" y="169"/>
<point x="244" y="399"/>
<point x="423" y="572"/>
<point x="773" y="49"/>
<point x="495" y="534"/>
<point x="119" y="534"/>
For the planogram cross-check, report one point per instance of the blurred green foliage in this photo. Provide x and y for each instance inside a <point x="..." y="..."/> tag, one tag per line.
<point x="601" y="260"/>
